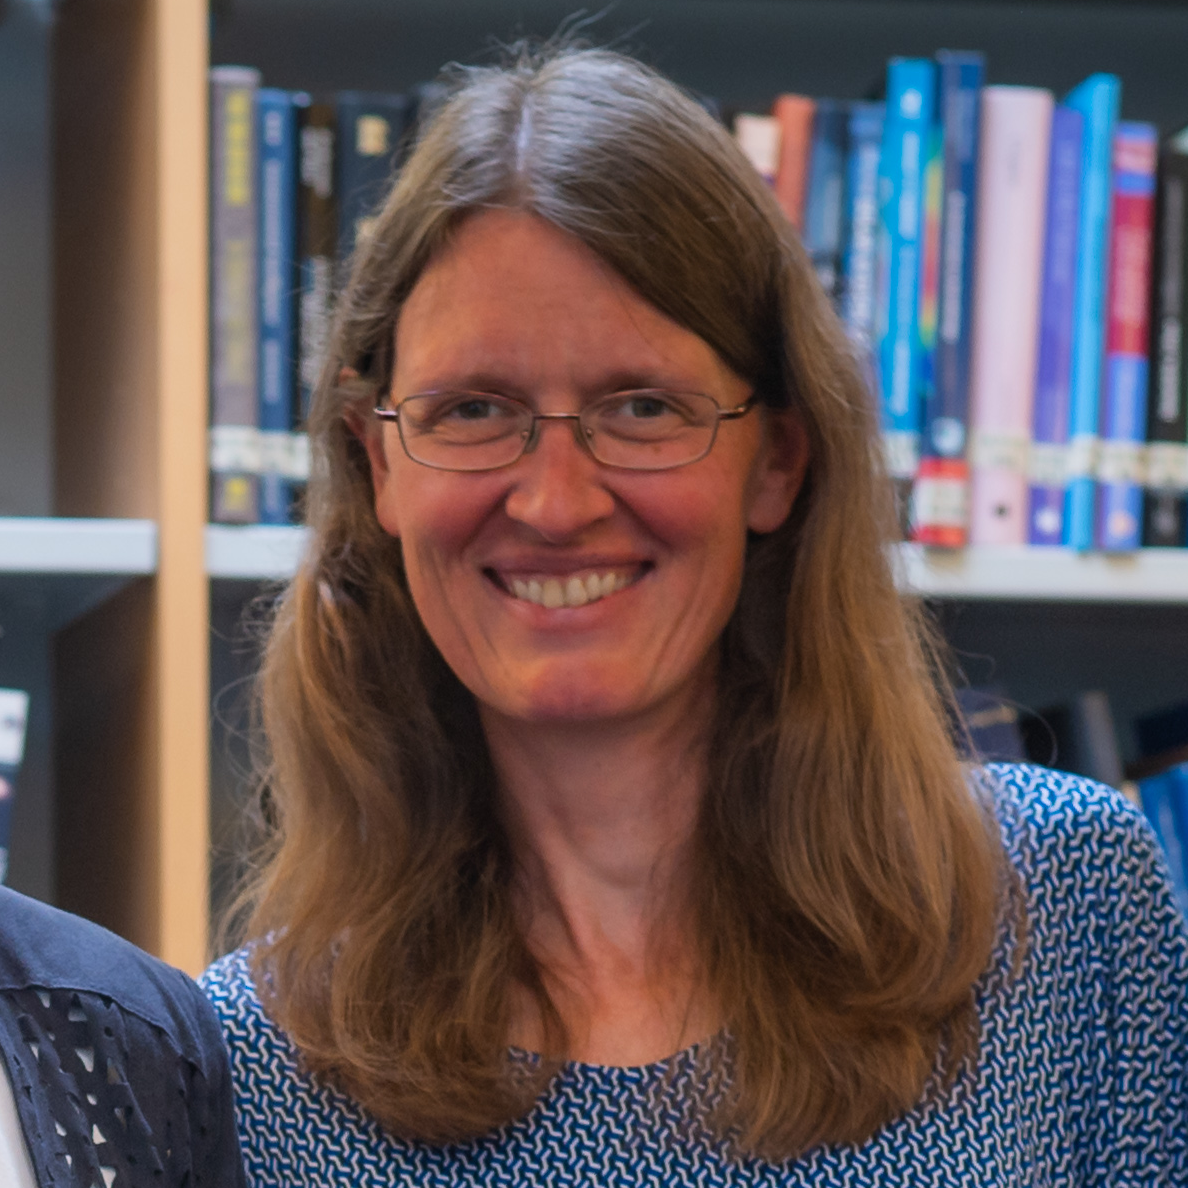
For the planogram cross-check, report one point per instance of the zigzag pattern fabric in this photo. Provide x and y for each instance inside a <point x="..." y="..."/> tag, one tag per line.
<point x="1082" y="1079"/>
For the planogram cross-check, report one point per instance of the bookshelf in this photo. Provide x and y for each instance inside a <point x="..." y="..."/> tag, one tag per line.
<point x="103" y="593"/>
<point x="118" y="601"/>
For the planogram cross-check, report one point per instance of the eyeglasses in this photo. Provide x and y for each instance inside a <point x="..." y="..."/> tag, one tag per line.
<point x="642" y="429"/>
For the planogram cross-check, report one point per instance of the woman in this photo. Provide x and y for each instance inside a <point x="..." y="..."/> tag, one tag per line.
<point x="599" y="733"/>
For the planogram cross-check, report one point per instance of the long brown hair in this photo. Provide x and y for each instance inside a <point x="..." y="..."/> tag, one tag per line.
<point x="849" y="902"/>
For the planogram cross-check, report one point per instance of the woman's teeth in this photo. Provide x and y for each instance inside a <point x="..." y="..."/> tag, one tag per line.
<point x="553" y="593"/>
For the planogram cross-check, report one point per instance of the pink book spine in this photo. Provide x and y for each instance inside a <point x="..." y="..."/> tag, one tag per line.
<point x="1012" y="198"/>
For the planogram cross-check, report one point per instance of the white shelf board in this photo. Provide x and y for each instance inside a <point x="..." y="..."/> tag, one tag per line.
<point x="253" y="552"/>
<point x="1044" y="574"/>
<point x="53" y="545"/>
<point x="270" y="553"/>
<point x="54" y="569"/>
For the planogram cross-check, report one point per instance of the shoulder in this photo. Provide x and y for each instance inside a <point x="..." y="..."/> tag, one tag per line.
<point x="258" y="1046"/>
<point x="1056" y="825"/>
<point x="42" y="948"/>
<point x="1094" y="880"/>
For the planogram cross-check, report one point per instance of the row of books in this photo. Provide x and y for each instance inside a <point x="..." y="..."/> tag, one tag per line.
<point x="294" y="183"/>
<point x="14" y="710"/>
<point x="1012" y="270"/>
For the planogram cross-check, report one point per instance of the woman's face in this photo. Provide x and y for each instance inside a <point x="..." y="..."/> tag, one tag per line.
<point x="517" y="307"/>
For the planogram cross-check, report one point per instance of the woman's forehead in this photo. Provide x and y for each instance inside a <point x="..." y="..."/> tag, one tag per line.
<point x="512" y="293"/>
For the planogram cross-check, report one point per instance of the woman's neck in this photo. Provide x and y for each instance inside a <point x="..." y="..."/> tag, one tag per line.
<point x="602" y="818"/>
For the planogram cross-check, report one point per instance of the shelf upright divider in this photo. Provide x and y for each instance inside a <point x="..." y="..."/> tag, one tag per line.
<point x="183" y="592"/>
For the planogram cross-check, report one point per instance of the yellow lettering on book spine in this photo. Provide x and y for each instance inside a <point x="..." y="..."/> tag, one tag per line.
<point x="237" y="150"/>
<point x="236" y="310"/>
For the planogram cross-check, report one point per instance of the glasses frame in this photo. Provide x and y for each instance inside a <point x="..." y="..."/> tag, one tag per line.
<point x="581" y="434"/>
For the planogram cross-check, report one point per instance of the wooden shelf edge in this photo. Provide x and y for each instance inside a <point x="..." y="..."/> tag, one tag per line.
<point x="61" y="545"/>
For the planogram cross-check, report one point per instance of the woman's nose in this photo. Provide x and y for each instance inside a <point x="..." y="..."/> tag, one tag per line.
<point x="558" y="489"/>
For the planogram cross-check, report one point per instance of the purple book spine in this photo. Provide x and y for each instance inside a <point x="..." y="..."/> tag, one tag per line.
<point x="1050" y="422"/>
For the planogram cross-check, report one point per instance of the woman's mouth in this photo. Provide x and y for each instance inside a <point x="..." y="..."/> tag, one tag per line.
<point x="554" y="591"/>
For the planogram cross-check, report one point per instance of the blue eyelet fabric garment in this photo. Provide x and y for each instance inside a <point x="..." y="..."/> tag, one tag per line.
<point x="117" y="1065"/>
<point x="1082" y="1078"/>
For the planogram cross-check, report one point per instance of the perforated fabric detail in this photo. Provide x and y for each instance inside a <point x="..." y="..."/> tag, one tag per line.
<point x="84" y="1055"/>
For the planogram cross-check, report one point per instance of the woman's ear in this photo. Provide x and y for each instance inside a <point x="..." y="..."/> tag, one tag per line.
<point x="358" y="418"/>
<point x="780" y="470"/>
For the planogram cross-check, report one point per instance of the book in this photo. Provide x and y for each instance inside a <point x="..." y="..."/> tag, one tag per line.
<point x="928" y="510"/>
<point x="1123" y="416"/>
<point x="1077" y="735"/>
<point x="911" y="94"/>
<point x="276" y="130"/>
<point x="941" y="493"/>
<point x="370" y="137"/>
<point x="759" y="138"/>
<point x="317" y="232"/>
<point x="824" y="212"/>
<point x="1053" y="369"/>
<point x="1097" y="99"/>
<point x="794" y="115"/>
<point x="1164" y="799"/>
<point x="860" y="258"/>
<point x="991" y="726"/>
<point x="1165" y="503"/>
<point x="14" y="713"/>
<point x="1012" y="198"/>
<point x="234" y="432"/>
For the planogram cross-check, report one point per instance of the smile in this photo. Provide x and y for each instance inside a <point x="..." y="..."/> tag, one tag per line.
<point x="577" y="589"/>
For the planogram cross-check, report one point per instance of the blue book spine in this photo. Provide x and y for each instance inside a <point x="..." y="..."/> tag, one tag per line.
<point x="1124" y="398"/>
<point x="1097" y="99"/>
<point x="1165" y="802"/>
<point x="860" y="285"/>
<point x="911" y="98"/>
<point x="946" y="414"/>
<point x="277" y="136"/>
<point x="824" y="217"/>
<point x="1054" y="352"/>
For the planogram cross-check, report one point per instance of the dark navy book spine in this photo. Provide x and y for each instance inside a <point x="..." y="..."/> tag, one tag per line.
<point x="960" y="84"/>
<point x="371" y="136"/>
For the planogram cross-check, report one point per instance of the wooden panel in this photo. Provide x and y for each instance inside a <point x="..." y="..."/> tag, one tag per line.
<point x="105" y="283"/>
<point x="182" y="588"/>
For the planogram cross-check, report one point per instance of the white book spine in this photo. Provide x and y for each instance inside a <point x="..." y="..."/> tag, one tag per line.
<point x="1016" y="130"/>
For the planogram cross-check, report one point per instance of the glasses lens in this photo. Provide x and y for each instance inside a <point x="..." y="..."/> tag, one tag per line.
<point x="463" y="430"/>
<point x="650" y="429"/>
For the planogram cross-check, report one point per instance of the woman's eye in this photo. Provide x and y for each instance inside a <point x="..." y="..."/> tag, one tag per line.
<point x="643" y="406"/>
<point x="472" y="410"/>
<point x="647" y="406"/>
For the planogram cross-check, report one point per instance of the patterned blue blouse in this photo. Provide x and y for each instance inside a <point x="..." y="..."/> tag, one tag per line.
<point x="1082" y="1080"/>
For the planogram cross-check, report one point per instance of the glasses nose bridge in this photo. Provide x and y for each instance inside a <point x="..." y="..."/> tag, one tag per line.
<point x="580" y="436"/>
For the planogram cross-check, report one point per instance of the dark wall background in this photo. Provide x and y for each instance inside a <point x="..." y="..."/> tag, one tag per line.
<point x="740" y="51"/>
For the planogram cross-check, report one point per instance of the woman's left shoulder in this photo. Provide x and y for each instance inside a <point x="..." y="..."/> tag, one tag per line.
<point x="229" y="984"/>
<point x="1083" y="852"/>
<point x="1065" y="825"/>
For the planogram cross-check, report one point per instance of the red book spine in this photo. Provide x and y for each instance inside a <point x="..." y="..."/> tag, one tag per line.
<point x="795" y="116"/>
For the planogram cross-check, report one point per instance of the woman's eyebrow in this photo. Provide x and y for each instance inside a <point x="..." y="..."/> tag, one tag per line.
<point x="498" y="382"/>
